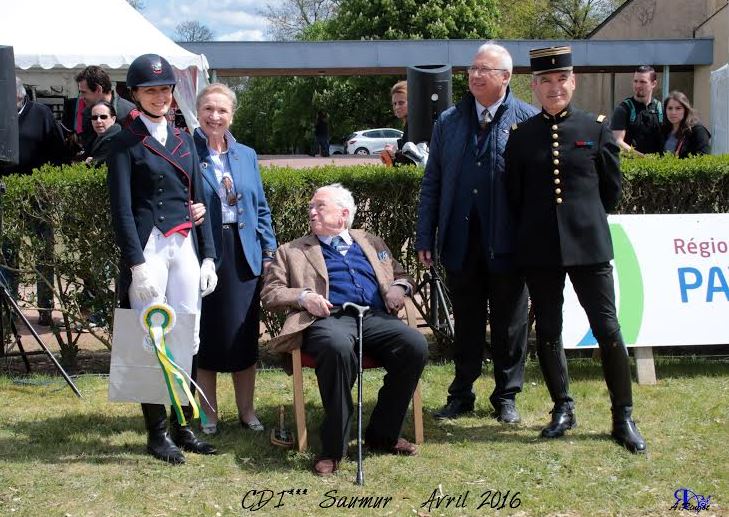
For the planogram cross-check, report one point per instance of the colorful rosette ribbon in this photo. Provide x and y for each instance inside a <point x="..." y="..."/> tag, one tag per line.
<point x="159" y="319"/>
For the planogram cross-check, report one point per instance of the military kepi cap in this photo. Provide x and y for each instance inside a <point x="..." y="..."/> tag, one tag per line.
<point x="550" y="59"/>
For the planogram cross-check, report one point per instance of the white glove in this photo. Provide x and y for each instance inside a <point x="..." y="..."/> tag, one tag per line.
<point x="208" y="277"/>
<point x="142" y="286"/>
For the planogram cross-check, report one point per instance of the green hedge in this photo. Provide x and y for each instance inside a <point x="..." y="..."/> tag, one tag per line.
<point x="73" y="200"/>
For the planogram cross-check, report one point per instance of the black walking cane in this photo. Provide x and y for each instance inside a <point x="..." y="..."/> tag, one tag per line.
<point x="360" y="313"/>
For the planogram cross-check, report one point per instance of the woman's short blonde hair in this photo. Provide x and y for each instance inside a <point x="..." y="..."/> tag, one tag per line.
<point x="399" y="87"/>
<point x="218" y="88"/>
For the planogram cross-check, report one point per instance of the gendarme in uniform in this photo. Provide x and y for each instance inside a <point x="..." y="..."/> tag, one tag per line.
<point x="562" y="177"/>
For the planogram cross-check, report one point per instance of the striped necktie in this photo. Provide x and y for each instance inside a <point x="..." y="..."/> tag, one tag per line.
<point x="483" y="124"/>
<point x="339" y="244"/>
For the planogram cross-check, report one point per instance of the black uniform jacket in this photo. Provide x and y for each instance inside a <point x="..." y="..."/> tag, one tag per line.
<point x="153" y="185"/>
<point x="562" y="177"/>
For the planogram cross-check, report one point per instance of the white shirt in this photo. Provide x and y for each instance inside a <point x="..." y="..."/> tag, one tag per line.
<point x="346" y="237"/>
<point x="221" y="167"/>
<point x="480" y="108"/>
<point x="158" y="130"/>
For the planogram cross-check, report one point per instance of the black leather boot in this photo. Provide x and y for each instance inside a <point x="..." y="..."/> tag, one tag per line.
<point x="625" y="432"/>
<point x="185" y="438"/>
<point x="159" y="444"/>
<point x="616" y="368"/>
<point x="553" y="362"/>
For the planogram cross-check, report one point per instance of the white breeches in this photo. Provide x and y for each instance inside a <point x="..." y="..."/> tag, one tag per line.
<point x="175" y="269"/>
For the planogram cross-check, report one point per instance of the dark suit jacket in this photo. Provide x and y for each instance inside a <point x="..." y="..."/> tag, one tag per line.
<point x="561" y="208"/>
<point x="451" y="134"/>
<point x="153" y="185"/>
<point x="300" y="264"/>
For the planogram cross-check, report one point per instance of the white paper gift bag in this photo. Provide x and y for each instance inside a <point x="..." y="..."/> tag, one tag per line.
<point x="135" y="374"/>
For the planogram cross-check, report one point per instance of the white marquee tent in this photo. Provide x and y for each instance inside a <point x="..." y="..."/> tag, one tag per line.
<point x="53" y="40"/>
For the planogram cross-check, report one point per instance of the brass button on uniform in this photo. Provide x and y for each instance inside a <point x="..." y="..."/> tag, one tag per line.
<point x="475" y="191"/>
<point x="559" y="200"/>
<point x="556" y="172"/>
<point x="555" y="152"/>
<point x="554" y="127"/>
<point x="159" y="204"/>
<point x="161" y="218"/>
<point x="558" y="191"/>
<point x="555" y="136"/>
<point x="555" y="161"/>
<point x="555" y="144"/>
<point x="556" y="181"/>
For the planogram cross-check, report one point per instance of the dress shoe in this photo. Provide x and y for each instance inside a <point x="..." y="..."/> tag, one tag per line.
<point x="161" y="447"/>
<point x="562" y="420"/>
<point x="254" y="425"/>
<point x="453" y="409"/>
<point x="402" y="448"/>
<point x="185" y="438"/>
<point x="507" y="413"/>
<point x="625" y="432"/>
<point x="325" y="466"/>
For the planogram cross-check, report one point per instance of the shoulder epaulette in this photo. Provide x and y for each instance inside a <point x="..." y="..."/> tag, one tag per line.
<point x="600" y="118"/>
<point x="514" y="126"/>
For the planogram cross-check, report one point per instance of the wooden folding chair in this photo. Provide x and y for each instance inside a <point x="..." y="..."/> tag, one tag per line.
<point x="300" y="359"/>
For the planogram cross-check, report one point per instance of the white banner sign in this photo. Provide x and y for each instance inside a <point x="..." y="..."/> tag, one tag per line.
<point x="671" y="282"/>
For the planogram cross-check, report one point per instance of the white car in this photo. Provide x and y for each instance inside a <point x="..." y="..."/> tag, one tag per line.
<point x="372" y="141"/>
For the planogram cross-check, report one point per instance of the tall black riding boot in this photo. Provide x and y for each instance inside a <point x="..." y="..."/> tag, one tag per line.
<point x="553" y="362"/>
<point x="159" y="444"/>
<point x="185" y="438"/>
<point x="616" y="368"/>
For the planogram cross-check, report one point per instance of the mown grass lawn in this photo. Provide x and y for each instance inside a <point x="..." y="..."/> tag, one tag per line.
<point x="63" y="456"/>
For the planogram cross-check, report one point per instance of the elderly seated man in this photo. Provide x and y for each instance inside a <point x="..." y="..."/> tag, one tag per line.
<point x="311" y="278"/>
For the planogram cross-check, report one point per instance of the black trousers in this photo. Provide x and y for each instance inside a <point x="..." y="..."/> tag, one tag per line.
<point x="595" y="291"/>
<point x="400" y="349"/>
<point x="480" y="295"/>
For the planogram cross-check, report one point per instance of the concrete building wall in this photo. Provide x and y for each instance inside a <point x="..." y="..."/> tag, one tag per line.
<point x="648" y="19"/>
<point x="718" y="27"/>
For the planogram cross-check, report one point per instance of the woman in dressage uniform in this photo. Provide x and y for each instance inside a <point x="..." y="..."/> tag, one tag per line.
<point x="154" y="178"/>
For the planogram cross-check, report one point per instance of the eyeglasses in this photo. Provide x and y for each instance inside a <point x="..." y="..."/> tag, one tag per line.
<point x="483" y="70"/>
<point x="102" y="117"/>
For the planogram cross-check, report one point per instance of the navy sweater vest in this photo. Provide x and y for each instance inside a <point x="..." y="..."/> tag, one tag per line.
<point x="351" y="278"/>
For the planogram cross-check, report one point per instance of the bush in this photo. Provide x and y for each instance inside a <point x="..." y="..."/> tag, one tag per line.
<point x="73" y="200"/>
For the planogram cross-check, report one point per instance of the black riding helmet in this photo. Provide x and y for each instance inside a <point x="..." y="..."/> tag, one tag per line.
<point x="149" y="70"/>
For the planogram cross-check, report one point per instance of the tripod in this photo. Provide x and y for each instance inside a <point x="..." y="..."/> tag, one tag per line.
<point x="439" y="317"/>
<point x="9" y="310"/>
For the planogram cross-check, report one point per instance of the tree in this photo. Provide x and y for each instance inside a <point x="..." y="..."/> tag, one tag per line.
<point x="416" y="19"/>
<point x="277" y="114"/>
<point x="137" y="4"/>
<point x="526" y="19"/>
<point x="575" y="19"/>
<point x="289" y="19"/>
<point x="192" y="30"/>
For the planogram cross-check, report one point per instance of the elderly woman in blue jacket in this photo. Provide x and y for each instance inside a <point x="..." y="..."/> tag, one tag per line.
<point x="244" y="242"/>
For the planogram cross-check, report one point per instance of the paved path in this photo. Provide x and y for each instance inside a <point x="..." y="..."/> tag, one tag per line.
<point x="300" y="161"/>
